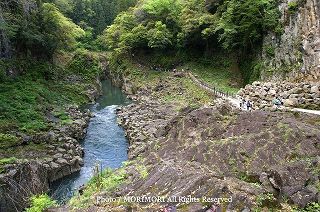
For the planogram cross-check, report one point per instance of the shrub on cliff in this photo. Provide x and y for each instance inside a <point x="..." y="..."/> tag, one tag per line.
<point x="40" y="203"/>
<point x="85" y="64"/>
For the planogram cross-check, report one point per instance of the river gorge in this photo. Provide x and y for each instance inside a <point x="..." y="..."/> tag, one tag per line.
<point x="105" y="144"/>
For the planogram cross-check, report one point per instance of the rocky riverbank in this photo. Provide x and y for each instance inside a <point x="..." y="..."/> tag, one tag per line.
<point x="218" y="152"/>
<point x="44" y="157"/>
<point x="300" y="95"/>
<point x="256" y="160"/>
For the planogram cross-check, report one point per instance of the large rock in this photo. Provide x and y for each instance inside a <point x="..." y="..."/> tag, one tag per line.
<point x="20" y="183"/>
<point x="315" y="89"/>
<point x="290" y="102"/>
<point x="303" y="95"/>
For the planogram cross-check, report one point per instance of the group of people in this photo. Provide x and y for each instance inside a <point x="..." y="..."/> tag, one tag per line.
<point x="246" y="104"/>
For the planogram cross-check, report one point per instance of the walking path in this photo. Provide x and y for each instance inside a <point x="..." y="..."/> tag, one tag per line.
<point x="316" y="112"/>
<point x="236" y="102"/>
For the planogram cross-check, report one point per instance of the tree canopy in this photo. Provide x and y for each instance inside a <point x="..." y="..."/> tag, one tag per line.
<point x="35" y="28"/>
<point x="40" y="28"/>
<point x="94" y="14"/>
<point x="160" y="24"/>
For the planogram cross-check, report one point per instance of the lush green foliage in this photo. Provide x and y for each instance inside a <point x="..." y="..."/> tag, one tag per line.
<point x="26" y="99"/>
<point x="159" y="24"/>
<point x="31" y="27"/>
<point x="243" y="23"/>
<point x="106" y="181"/>
<point x="94" y="14"/>
<point x="151" y="24"/>
<point x="40" y="203"/>
<point x="61" y="32"/>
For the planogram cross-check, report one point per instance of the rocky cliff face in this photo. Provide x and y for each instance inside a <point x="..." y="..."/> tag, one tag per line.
<point x="295" y="55"/>
<point x="57" y="153"/>
<point x="20" y="183"/>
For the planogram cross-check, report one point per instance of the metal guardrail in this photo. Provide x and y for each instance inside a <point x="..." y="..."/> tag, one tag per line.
<point x="211" y="89"/>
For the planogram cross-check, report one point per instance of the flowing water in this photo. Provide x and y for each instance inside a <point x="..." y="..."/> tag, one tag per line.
<point x="105" y="143"/>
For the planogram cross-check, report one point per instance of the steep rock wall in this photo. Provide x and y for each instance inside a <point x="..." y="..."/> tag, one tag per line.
<point x="295" y="55"/>
<point x="20" y="183"/>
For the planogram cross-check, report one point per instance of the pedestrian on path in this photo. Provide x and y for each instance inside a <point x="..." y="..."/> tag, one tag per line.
<point x="249" y="105"/>
<point x="244" y="104"/>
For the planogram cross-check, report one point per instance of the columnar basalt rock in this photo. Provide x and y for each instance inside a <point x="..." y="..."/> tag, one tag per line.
<point x="61" y="157"/>
<point x="22" y="181"/>
<point x="295" y="55"/>
<point x="303" y="95"/>
<point x="133" y="118"/>
<point x="220" y="151"/>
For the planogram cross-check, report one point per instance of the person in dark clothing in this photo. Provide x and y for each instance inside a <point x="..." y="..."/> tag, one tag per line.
<point x="249" y="105"/>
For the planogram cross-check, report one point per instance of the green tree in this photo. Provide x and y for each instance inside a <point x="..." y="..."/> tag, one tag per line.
<point x="196" y="23"/>
<point x="243" y="23"/>
<point x="232" y="24"/>
<point x="159" y="36"/>
<point x="59" y="32"/>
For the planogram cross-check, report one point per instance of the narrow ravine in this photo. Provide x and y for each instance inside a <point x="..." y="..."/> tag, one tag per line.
<point x="105" y="144"/>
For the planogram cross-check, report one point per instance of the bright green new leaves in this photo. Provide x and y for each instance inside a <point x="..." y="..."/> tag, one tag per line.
<point x="162" y="9"/>
<point x="243" y="23"/>
<point x="61" y="32"/>
<point x="159" y="37"/>
<point x="160" y="24"/>
<point x="151" y="24"/>
<point x="41" y="203"/>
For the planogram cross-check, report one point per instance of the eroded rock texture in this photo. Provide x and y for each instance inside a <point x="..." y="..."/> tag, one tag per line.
<point x="20" y="183"/>
<point x="220" y="152"/>
<point x="297" y="51"/>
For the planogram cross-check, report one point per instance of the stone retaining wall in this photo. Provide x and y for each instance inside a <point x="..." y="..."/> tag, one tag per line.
<point x="300" y="95"/>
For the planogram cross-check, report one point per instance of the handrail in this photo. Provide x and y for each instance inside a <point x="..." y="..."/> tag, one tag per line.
<point x="216" y="91"/>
